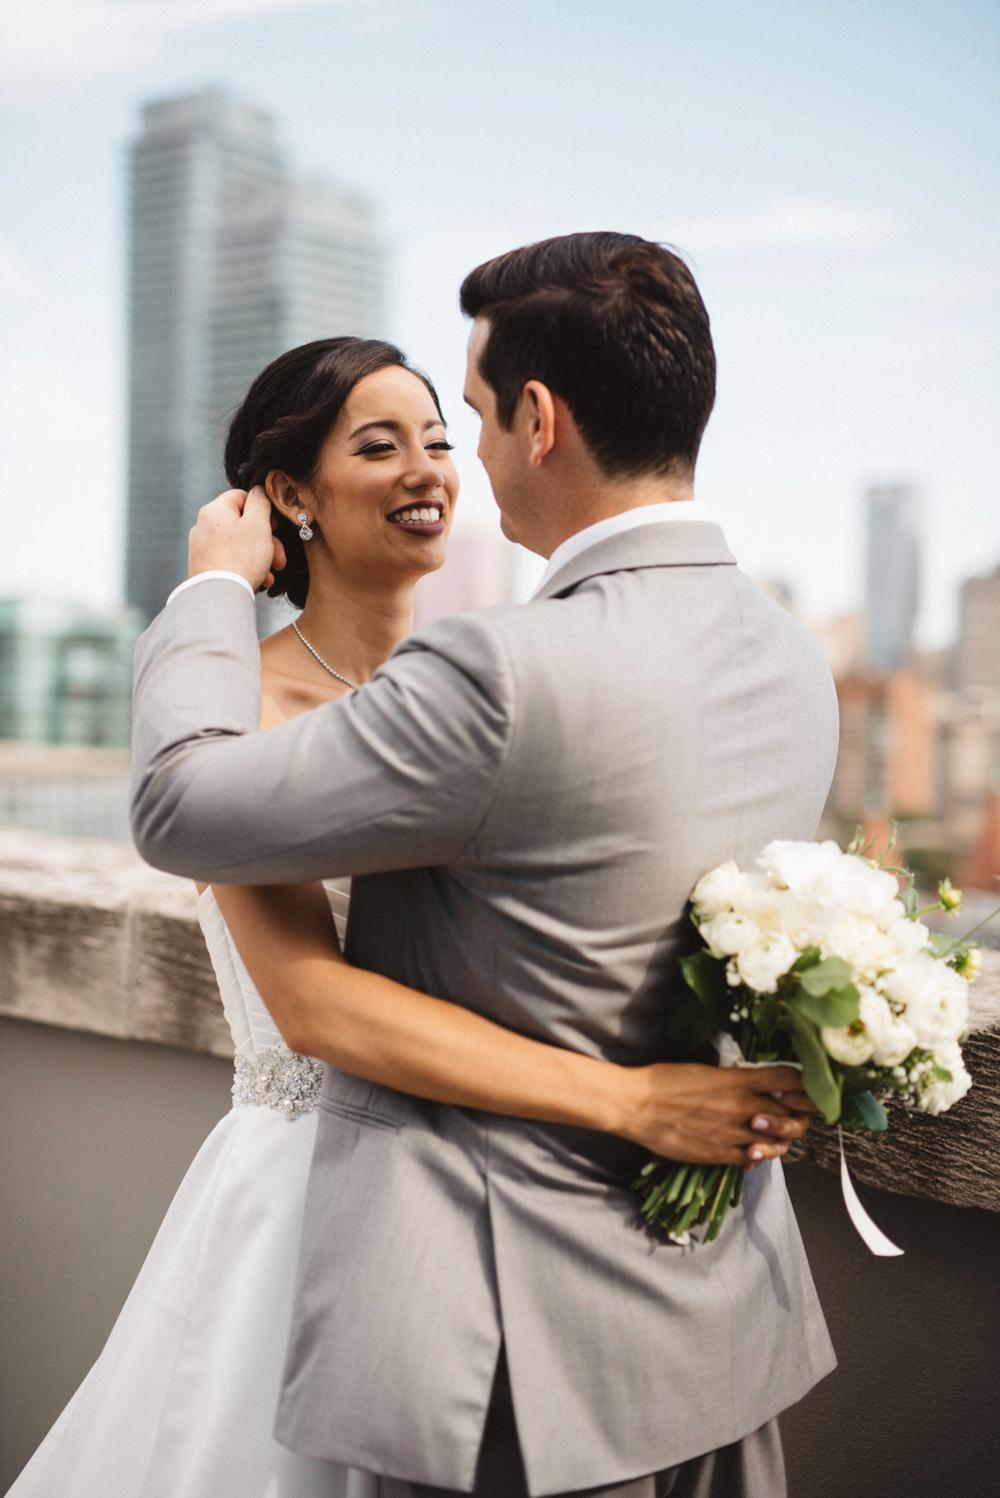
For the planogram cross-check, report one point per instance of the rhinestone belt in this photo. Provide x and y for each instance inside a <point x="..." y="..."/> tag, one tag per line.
<point x="280" y="1079"/>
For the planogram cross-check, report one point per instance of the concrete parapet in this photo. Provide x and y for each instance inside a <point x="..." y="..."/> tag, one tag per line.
<point x="92" y="939"/>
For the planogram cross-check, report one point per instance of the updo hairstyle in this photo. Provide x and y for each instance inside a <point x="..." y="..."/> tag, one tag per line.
<point x="286" y="417"/>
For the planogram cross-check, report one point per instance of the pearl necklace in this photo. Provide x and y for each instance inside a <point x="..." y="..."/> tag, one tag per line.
<point x="325" y="664"/>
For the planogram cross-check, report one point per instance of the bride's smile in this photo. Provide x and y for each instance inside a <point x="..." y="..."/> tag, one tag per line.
<point x="382" y="495"/>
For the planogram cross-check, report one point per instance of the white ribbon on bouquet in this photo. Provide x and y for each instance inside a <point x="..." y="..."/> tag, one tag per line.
<point x="869" y="1232"/>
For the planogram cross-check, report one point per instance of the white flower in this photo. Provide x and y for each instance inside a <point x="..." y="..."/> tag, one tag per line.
<point x="894" y="911"/>
<point x="852" y="1045"/>
<point x="891" y="1037"/>
<point x="803" y="868"/>
<point x="860" y="941"/>
<point x="938" y="1096"/>
<point x="820" y="873"/>
<point x="761" y="965"/>
<point x="716" y="890"/>
<point x="908" y="937"/>
<point x="759" y="896"/>
<point x="729" y="933"/>
<point x="796" y="919"/>
<point x="935" y="999"/>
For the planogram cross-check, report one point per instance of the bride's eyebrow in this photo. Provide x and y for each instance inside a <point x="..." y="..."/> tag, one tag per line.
<point x="392" y="426"/>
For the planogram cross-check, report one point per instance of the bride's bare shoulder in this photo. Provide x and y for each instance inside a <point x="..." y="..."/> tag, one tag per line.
<point x="271" y="713"/>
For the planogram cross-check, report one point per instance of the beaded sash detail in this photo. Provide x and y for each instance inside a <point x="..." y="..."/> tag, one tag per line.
<point x="278" y="1078"/>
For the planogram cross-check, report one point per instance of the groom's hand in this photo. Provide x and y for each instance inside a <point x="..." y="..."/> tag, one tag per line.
<point x="710" y="1115"/>
<point x="233" y="534"/>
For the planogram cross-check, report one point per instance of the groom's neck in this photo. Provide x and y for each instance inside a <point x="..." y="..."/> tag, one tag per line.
<point x="569" y="510"/>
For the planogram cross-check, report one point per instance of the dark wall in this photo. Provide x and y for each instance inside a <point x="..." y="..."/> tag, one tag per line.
<point x="95" y="1136"/>
<point x="912" y="1410"/>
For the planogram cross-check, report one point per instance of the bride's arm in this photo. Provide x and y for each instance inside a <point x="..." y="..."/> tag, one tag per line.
<point x="375" y="1028"/>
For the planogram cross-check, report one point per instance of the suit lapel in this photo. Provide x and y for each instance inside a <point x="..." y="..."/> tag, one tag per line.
<point x="678" y="543"/>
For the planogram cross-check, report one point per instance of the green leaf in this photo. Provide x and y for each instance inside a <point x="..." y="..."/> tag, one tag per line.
<point x="909" y="899"/>
<point x="687" y="1023"/>
<point x="941" y="945"/>
<point x="862" y="1111"/>
<point x="826" y="976"/>
<point x="697" y="1010"/>
<point x="817" y="1077"/>
<point x="704" y="975"/>
<point x="809" y="957"/>
<point x="837" y="1008"/>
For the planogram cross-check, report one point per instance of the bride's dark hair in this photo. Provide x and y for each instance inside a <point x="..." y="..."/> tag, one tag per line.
<point x="286" y="417"/>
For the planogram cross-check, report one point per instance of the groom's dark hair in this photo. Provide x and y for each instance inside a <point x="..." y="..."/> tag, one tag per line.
<point x="615" y="325"/>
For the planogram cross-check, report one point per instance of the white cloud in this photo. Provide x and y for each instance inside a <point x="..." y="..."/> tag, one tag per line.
<point x="54" y="39"/>
<point x="788" y="224"/>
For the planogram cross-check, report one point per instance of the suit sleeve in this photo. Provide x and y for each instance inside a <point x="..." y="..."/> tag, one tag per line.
<point x="397" y="775"/>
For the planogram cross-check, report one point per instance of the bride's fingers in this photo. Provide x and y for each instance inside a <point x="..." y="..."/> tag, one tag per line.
<point x="797" y="1102"/>
<point x="760" y="1151"/>
<point x="778" y="1126"/>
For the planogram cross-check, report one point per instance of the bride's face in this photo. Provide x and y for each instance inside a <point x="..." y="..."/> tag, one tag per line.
<point x="384" y="490"/>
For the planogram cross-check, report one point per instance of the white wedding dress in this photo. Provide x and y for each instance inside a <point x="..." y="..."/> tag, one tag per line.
<point x="182" y="1400"/>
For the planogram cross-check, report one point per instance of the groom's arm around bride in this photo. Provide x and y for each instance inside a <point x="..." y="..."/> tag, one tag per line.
<point x="531" y="794"/>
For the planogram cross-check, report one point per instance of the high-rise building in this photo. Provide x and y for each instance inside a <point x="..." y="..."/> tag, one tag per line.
<point x="892" y="575"/>
<point x="231" y="263"/>
<point x="979" y="636"/>
<point x="65" y="673"/>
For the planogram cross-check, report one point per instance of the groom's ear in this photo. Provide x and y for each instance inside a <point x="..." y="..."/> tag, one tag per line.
<point x="539" y="410"/>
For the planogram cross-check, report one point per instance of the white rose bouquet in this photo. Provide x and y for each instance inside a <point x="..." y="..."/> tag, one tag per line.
<point x="817" y="957"/>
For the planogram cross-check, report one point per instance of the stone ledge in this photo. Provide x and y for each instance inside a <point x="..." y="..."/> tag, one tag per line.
<point x="93" y="939"/>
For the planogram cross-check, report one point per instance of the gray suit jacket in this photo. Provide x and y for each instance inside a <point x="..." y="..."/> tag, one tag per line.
<point x="528" y="795"/>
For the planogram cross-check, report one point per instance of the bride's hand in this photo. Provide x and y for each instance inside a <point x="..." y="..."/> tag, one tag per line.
<point x="710" y="1115"/>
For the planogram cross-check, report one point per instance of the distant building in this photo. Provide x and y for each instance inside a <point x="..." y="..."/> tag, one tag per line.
<point x="479" y="572"/>
<point x="65" y="673"/>
<point x="970" y="761"/>
<point x="981" y="868"/>
<point x="231" y="263"/>
<point x="979" y="634"/>
<point x="887" y="765"/>
<point x="74" y="792"/>
<point x="842" y="637"/>
<point x="892" y="575"/>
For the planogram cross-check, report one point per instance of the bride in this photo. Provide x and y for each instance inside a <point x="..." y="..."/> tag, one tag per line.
<point x="350" y="445"/>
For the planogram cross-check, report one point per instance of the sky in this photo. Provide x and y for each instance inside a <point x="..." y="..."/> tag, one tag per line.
<point x="830" y="172"/>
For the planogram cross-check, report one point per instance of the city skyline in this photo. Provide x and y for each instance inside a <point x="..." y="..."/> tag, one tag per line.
<point x="824" y="172"/>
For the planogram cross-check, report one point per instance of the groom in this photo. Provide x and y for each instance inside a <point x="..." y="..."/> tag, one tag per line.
<point x="528" y="794"/>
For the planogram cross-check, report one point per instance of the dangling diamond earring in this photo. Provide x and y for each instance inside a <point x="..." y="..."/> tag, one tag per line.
<point x="305" y="529"/>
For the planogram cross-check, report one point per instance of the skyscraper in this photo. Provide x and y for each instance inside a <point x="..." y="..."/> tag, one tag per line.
<point x="979" y="637"/>
<point x="232" y="262"/>
<point x="892" y="575"/>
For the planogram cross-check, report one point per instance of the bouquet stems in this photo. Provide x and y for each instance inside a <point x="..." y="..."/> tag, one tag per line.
<point x="681" y="1197"/>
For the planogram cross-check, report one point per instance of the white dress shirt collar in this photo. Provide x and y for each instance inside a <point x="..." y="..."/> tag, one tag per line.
<point x="615" y="525"/>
